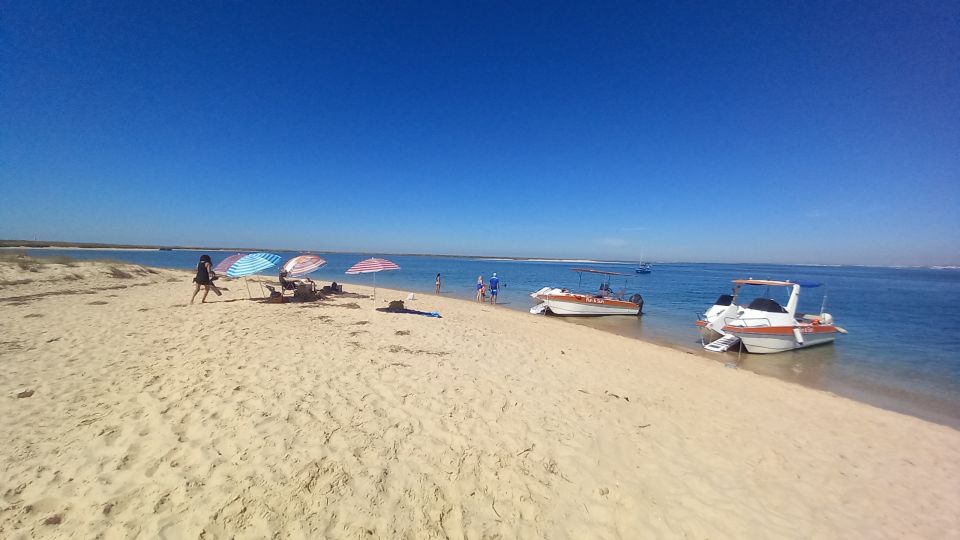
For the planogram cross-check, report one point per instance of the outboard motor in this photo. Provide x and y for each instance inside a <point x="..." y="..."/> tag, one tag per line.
<point x="637" y="299"/>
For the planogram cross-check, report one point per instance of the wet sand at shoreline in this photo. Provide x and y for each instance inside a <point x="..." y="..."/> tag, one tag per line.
<point x="802" y="367"/>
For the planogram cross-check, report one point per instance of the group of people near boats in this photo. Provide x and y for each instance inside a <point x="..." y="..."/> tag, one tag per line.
<point x="493" y="289"/>
<point x="482" y="288"/>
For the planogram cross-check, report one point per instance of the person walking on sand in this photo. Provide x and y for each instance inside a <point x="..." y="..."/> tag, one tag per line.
<point x="479" y="288"/>
<point x="438" y="285"/>
<point x="494" y="288"/>
<point x="205" y="276"/>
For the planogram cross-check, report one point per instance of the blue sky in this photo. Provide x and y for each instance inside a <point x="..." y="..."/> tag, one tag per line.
<point x="797" y="132"/>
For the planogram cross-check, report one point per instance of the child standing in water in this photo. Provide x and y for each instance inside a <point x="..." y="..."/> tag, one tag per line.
<point x="480" y="289"/>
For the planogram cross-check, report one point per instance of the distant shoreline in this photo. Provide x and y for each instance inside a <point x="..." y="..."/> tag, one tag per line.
<point x="39" y="244"/>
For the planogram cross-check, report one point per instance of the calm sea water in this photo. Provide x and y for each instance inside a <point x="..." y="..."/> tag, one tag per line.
<point x="901" y="351"/>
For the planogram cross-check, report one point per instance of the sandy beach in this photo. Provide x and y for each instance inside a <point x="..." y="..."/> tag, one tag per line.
<point x="127" y="412"/>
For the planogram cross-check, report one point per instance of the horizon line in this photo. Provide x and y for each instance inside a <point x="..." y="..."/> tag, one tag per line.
<point x="35" y="244"/>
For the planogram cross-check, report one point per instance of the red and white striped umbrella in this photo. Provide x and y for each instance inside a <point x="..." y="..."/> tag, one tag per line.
<point x="374" y="265"/>
<point x="367" y="266"/>
<point x="302" y="265"/>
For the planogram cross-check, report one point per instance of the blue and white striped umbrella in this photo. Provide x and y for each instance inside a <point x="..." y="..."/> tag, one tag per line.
<point x="253" y="263"/>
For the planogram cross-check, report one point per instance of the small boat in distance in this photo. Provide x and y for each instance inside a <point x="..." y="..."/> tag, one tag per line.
<point x="764" y="326"/>
<point x="642" y="267"/>
<point x="559" y="301"/>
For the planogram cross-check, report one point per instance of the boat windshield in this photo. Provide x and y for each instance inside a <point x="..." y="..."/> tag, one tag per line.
<point x="766" y="304"/>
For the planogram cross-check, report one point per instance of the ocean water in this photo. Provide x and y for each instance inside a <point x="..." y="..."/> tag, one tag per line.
<point x="902" y="351"/>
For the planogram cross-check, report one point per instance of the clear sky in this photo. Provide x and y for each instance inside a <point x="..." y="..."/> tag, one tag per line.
<point x="824" y="132"/>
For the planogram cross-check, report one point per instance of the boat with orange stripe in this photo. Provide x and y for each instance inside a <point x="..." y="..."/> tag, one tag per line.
<point x="558" y="301"/>
<point x="764" y="326"/>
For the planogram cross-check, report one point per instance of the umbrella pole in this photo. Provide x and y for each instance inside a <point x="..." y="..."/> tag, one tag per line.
<point x="374" y="290"/>
<point x="247" y="283"/>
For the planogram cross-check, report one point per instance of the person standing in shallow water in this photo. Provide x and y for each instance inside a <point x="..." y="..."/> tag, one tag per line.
<point x="438" y="285"/>
<point x="494" y="288"/>
<point x="205" y="276"/>
<point x="479" y="288"/>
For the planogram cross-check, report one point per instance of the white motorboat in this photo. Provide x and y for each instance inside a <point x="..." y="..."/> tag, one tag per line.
<point x="712" y="321"/>
<point x="764" y="326"/>
<point x="559" y="301"/>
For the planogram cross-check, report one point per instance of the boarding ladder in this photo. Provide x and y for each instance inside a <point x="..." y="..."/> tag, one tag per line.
<point x="723" y="344"/>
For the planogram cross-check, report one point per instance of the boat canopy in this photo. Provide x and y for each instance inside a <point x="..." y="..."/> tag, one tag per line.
<point x="763" y="282"/>
<point x="804" y="284"/>
<point x="592" y="271"/>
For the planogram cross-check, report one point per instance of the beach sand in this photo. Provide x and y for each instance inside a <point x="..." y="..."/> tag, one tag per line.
<point x="141" y="415"/>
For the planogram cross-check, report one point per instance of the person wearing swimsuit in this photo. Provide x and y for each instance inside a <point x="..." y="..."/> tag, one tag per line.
<point x="205" y="277"/>
<point x="438" y="285"/>
<point x="479" y="288"/>
<point x="494" y="288"/>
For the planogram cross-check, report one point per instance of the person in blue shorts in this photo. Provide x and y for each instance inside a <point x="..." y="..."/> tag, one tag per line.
<point x="494" y="288"/>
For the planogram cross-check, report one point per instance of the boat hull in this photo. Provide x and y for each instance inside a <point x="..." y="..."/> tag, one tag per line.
<point x="579" y="305"/>
<point x="769" y="340"/>
<point x="707" y="334"/>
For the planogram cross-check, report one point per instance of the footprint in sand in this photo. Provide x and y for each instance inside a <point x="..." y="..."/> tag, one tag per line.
<point x="45" y="506"/>
<point x="110" y="435"/>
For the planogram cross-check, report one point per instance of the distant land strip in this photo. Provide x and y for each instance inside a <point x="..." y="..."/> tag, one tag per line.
<point x="39" y="244"/>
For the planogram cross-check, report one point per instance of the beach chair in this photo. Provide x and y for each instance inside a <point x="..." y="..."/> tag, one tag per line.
<point x="303" y="289"/>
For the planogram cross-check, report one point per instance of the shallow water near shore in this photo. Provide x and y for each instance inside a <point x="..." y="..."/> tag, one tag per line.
<point x="900" y="354"/>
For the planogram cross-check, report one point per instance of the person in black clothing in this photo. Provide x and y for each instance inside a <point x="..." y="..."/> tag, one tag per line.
<point x="205" y="277"/>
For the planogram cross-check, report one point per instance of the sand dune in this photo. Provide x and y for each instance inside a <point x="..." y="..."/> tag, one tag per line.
<point x="243" y="419"/>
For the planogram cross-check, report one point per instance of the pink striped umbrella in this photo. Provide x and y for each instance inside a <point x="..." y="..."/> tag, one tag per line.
<point x="373" y="266"/>
<point x="302" y="265"/>
<point x="367" y="266"/>
<point x="227" y="263"/>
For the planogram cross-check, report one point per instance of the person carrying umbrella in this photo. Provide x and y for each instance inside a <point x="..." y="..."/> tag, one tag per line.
<point x="205" y="276"/>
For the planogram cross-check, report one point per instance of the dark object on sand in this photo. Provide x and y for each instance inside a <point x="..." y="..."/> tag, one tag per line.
<point x="25" y="394"/>
<point x="303" y="292"/>
<point x="332" y="288"/>
<point x="396" y="306"/>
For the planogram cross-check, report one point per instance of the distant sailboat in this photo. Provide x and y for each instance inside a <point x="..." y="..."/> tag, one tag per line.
<point x="642" y="267"/>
